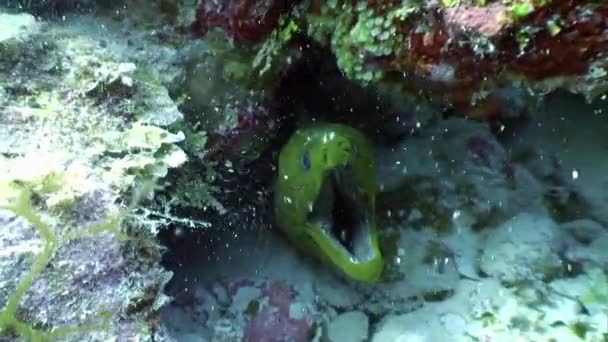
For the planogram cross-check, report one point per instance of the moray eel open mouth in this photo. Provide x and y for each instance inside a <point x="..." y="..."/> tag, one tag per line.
<point x="324" y="198"/>
<point x="341" y="212"/>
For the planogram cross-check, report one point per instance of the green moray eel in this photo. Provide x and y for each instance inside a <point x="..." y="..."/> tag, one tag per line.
<point x="324" y="198"/>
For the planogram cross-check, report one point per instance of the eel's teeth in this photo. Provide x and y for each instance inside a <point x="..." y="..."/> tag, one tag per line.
<point x="343" y="236"/>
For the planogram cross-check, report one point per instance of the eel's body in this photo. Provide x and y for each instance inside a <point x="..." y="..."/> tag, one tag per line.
<point x="324" y="198"/>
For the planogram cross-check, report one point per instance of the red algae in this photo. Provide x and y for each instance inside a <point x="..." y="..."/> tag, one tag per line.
<point x="242" y="20"/>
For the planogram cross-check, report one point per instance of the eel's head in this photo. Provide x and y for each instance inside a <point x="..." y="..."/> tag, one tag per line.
<point x="325" y="198"/>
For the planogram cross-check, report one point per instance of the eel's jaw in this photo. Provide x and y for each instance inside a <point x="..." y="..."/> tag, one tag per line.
<point x="342" y="224"/>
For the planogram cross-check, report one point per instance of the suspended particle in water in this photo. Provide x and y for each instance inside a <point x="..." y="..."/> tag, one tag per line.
<point x="575" y="174"/>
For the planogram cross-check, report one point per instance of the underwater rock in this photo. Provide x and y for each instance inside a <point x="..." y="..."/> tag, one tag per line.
<point x="255" y="311"/>
<point x="92" y="278"/>
<point x="113" y="81"/>
<point x="459" y="54"/>
<point x="79" y="133"/>
<point x="589" y="288"/>
<point x="485" y="310"/>
<point x="550" y="147"/>
<point x="584" y="231"/>
<point x="590" y="242"/>
<point x="15" y="32"/>
<point x="277" y="320"/>
<point x="450" y="167"/>
<point x="338" y="297"/>
<point x="525" y="248"/>
<point x="349" y="326"/>
<point x="19" y="243"/>
<point x="52" y="8"/>
<point x="97" y="102"/>
<point x="242" y="20"/>
<point x="244" y="141"/>
<point x="422" y="271"/>
<point x="224" y="331"/>
<point x="588" y="318"/>
<point x="17" y="27"/>
<point x="457" y="318"/>
<point x="423" y="327"/>
<point x="483" y="20"/>
<point x="226" y="98"/>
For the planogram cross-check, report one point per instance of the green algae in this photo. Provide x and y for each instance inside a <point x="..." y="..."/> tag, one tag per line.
<point x="274" y="45"/>
<point x="21" y="204"/>
<point x="355" y="31"/>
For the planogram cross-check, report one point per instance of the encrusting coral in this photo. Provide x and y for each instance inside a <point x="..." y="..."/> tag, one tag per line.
<point x="457" y="53"/>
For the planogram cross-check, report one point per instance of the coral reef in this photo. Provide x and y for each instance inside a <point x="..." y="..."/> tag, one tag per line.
<point x="461" y="53"/>
<point x="87" y="133"/>
<point x="482" y="58"/>
<point x="121" y="130"/>
<point x="113" y="124"/>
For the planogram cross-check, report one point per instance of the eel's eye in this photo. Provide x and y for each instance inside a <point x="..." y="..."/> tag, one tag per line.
<point x="306" y="161"/>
